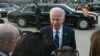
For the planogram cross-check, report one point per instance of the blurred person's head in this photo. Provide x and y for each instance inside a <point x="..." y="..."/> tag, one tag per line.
<point x="31" y="44"/>
<point x="85" y="11"/>
<point x="95" y="44"/>
<point x="8" y="37"/>
<point x="35" y="5"/>
<point x="66" y="51"/>
<point x="57" y="17"/>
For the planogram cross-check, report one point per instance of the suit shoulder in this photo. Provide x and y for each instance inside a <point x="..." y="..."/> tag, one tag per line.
<point x="68" y="29"/>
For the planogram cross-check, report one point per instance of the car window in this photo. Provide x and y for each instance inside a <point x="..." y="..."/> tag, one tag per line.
<point x="58" y="6"/>
<point x="65" y="9"/>
<point x="20" y="8"/>
<point x="94" y="5"/>
<point x="28" y="10"/>
<point x="3" y="5"/>
<point x="98" y="4"/>
<point x="44" y="8"/>
<point x="50" y="7"/>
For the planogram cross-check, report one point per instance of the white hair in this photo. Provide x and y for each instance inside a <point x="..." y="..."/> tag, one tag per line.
<point x="58" y="9"/>
<point x="8" y="32"/>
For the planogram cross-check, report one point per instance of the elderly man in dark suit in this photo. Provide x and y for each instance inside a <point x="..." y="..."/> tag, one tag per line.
<point x="57" y="34"/>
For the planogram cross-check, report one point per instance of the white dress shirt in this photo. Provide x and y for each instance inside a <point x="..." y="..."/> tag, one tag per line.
<point x="2" y="54"/>
<point x="60" y="32"/>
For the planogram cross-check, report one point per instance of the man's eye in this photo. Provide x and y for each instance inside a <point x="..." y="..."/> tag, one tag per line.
<point x="53" y="19"/>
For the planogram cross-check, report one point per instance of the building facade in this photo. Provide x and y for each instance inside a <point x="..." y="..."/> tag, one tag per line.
<point x="46" y="1"/>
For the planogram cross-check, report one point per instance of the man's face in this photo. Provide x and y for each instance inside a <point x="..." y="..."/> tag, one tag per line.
<point x="11" y="44"/>
<point x="56" y="20"/>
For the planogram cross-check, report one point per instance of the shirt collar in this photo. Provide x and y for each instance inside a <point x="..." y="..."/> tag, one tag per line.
<point x="2" y="54"/>
<point x="58" y="30"/>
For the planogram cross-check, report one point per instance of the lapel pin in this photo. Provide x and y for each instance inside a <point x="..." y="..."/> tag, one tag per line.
<point x="65" y="34"/>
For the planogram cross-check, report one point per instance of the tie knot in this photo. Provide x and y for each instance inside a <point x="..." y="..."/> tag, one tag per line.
<point x="57" y="31"/>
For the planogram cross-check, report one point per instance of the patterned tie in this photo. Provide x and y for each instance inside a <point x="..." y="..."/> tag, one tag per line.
<point x="56" y="40"/>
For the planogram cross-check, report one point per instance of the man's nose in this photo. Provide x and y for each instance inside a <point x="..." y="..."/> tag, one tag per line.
<point x="55" y="22"/>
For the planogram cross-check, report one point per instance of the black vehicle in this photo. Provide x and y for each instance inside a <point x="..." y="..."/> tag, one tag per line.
<point x="95" y="7"/>
<point x="14" y="6"/>
<point x="5" y="8"/>
<point x="25" y="15"/>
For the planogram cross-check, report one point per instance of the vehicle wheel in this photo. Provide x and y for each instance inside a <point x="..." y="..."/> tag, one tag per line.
<point x="82" y="24"/>
<point x="22" y="22"/>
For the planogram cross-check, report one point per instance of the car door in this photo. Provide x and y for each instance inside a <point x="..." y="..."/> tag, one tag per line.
<point x="95" y="7"/>
<point x="44" y="15"/>
<point x="69" y="17"/>
<point x="98" y="7"/>
<point x="90" y="7"/>
<point x="29" y="14"/>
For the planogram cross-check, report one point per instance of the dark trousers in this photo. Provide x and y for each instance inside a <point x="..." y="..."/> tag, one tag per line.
<point x="38" y="23"/>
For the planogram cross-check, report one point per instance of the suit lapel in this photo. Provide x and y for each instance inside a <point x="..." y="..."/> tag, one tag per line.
<point x="51" y="38"/>
<point x="64" y="32"/>
<point x="64" y="35"/>
<point x="51" y="34"/>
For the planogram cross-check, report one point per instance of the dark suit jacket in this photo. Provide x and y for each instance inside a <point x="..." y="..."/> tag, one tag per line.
<point x="68" y="37"/>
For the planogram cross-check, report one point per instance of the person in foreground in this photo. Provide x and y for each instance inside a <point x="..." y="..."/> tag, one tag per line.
<point x="31" y="44"/>
<point x="8" y="38"/>
<point x="67" y="51"/>
<point x="57" y="34"/>
<point x="95" y="44"/>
